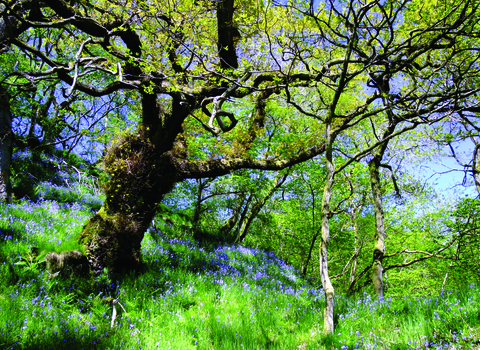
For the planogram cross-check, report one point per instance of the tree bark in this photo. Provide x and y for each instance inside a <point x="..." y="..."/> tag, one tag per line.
<point x="457" y="255"/>
<point x="140" y="176"/>
<point x="309" y="255"/>
<point x="196" y="226"/>
<point x="236" y="213"/>
<point x="6" y="144"/>
<point x="379" y="247"/>
<point x="141" y="172"/>
<point x="353" y="269"/>
<point x="227" y="34"/>
<point x="382" y="83"/>
<point x="328" y="324"/>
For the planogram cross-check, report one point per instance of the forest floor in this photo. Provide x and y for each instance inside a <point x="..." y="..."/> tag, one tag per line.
<point x="214" y="296"/>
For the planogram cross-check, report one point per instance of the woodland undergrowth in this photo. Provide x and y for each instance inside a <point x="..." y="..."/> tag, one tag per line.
<point x="191" y="296"/>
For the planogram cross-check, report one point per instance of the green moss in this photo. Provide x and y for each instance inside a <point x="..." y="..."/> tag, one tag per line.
<point x="138" y="177"/>
<point x="112" y="241"/>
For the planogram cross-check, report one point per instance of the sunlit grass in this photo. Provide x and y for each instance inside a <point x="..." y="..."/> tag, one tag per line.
<point x="46" y="224"/>
<point x="85" y="194"/>
<point x="194" y="297"/>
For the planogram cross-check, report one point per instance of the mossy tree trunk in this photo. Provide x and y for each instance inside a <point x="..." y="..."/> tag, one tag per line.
<point x="379" y="247"/>
<point x="140" y="173"/>
<point x="376" y="186"/>
<point x="6" y="145"/>
<point x="139" y="178"/>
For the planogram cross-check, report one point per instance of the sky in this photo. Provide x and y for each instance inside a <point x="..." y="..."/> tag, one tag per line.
<point x="446" y="175"/>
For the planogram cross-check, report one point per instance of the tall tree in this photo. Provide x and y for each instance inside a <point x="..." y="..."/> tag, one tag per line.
<point x="9" y="28"/>
<point x="379" y="245"/>
<point x="405" y="66"/>
<point x="158" y="54"/>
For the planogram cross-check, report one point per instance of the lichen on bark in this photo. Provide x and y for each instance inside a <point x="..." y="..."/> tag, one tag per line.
<point x="139" y="177"/>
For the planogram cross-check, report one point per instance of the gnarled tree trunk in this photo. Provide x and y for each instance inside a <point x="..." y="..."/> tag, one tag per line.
<point x="140" y="175"/>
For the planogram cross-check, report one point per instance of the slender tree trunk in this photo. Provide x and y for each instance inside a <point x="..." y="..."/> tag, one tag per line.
<point x="198" y="208"/>
<point x="309" y="256"/>
<point x="353" y="268"/>
<point x="236" y="213"/>
<point x="374" y="166"/>
<point x="257" y="207"/>
<point x="315" y="233"/>
<point x="328" y="324"/>
<point x="243" y="217"/>
<point x="6" y="145"/>
<point x="379" y="247"/>
<point x="202" y="185"/>
<point x="457" y="255"/>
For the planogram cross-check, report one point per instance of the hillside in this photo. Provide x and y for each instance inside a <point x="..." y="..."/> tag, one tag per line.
<point x="192" y="297"/>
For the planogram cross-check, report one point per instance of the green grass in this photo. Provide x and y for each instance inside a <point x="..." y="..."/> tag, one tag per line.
<point x="193" y="297"/>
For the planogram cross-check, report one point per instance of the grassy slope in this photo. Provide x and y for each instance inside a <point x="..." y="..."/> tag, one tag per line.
<point x="192" y="297"/>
